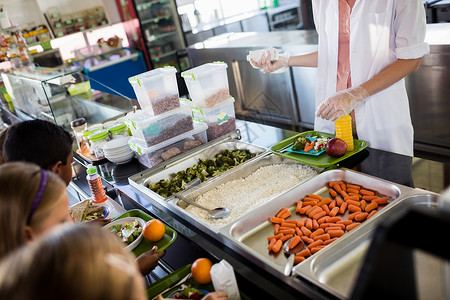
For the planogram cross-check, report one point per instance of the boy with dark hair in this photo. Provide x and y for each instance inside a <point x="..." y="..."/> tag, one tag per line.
<point x="43" y="143"/>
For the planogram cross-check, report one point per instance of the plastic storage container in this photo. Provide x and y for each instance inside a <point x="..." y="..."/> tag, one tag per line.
<point x="97" y="140"/>
<point x="152" y="156"/>
<point x="221" y="119"/>
<point x="157" y="129"/>
<point x="207" y="84"/>
<point x="156" y="90"/>
<point x="79" y="126"/>
<point x="118" y="131"/>
<point x="95" y="185"/>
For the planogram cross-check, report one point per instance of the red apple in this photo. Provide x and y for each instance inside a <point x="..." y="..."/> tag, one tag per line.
<point x="336" y="147"/>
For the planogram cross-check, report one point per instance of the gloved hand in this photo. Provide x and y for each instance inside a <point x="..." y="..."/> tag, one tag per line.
<point x="342" y="103"/>
<point x="271" y="62"/>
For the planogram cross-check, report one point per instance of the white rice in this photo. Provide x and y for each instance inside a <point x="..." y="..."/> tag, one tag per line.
<point x="245" y="194"/>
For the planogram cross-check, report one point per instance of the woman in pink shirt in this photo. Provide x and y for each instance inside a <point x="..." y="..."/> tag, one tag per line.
<point x="366" y="48"/>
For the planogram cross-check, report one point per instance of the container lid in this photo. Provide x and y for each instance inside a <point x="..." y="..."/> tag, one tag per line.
<point x="203" y="70"/>
<point x="98" y="135"/>
<point x="118" y="128"/>
<point x="201" y="111"/>
<point x="136" y="81"/>
<point x="87" y="132"/>
<point x="91" y="170"/>
<point x="140" y="146"/>
<point x="78" y="122"/>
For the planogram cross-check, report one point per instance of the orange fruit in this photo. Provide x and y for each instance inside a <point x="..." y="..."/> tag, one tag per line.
<point x="154" y="230"/>
<point x="200" y="270"/>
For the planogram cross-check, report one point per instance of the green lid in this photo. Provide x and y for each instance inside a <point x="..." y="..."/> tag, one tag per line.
<point x="91" y="170"/>
<point x="98" y="135"/>
<point x="117" y="128"/>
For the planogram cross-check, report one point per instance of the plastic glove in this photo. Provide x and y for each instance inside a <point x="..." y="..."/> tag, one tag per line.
<point x="342" y="103"/>
<point x="270" y="61"/>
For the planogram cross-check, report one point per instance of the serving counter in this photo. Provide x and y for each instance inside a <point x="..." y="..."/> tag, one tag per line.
<point x="329" y="274"/>
<point x="257" y="278"/>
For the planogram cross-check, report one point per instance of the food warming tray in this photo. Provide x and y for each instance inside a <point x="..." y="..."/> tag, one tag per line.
<point x="186" y="160"/>
<point x="250" y="232"/>
<point x="238" y="172"/>
<point x="336" y="268"/>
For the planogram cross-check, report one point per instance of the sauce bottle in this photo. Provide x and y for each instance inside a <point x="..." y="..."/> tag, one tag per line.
<point x="343" y="128"/>
<point x="95" y="185"/>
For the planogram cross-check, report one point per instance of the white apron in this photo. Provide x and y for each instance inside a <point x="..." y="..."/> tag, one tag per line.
<point x="381" y="32"/>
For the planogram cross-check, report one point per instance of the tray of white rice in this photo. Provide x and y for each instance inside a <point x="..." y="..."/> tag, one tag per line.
<point x="243" y="189"/>
<point x="144" y="179"/>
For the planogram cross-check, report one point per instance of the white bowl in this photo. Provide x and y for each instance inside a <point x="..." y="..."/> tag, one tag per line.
<point x="128" y="220"/>
<point x="120" y="159"/>
<point x="117" y="143"/>
<point x="118" y="152"/>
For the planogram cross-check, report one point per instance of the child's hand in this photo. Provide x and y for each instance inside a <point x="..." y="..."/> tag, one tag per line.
<point x="216" y="296"/>
<point x="147" y="261"/>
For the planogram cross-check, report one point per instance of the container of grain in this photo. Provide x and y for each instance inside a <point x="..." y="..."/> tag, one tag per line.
<point x="152" y="156"/>
<point x="221" y="119"/>
<point x="207" y="84"/>
<point x="156" y="90"/>
<point x="153" y="130"/>
<point x="243" y="189"/>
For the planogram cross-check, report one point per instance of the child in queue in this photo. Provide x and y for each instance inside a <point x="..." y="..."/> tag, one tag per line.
<point x="30" y="212"/>
<point x="50" y="147"/>
<point x="72" y="262"/>
<point x="32" y="201"/>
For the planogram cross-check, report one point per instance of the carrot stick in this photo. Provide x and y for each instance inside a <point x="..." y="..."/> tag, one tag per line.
<point x="276" y="220"/>
<point x="294" y="242"/>
<point x="332" y="192"/>
<point x="277" y="246"/>
<point x="365" y="192"/>
<point x="315" y="197"/>
<point x="271" y="243"/>
<point x="278" y="215"/>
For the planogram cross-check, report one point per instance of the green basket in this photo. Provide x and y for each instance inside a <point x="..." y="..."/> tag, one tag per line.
<point x="46" y="45"/>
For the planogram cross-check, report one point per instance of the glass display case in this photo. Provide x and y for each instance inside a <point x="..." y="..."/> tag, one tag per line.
<point x="61" y="95"/>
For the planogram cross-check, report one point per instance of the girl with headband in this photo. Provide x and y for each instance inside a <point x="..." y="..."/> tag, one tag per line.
<point x="32" y="201"/>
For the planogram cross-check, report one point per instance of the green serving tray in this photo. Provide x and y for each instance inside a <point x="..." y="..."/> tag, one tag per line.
<point x="145" y="245"/>
<point x="167" y="281"/>
<point x="321" y="161"/>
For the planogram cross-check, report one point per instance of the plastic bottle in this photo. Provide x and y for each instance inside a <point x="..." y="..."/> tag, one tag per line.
<point x="343" y="127"/>
<point x="95" y="184"/>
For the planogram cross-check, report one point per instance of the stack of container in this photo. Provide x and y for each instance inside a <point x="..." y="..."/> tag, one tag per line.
<point x="164" y="121"/>
<point x="212" y="104"/>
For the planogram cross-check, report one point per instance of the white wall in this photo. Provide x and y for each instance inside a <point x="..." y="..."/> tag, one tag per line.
<point x="23" y="13"/>
<point x="69" y="6"/>
<point x="28" y="13"/>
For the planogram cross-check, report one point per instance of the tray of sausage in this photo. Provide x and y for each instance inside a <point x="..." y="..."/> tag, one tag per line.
<point x="323" y="211"/>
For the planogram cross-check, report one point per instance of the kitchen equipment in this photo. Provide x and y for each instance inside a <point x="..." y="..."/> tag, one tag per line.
<point x="216" y="213"/>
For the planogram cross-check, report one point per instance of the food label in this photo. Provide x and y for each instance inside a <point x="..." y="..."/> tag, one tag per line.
<point x="222" y="118"/>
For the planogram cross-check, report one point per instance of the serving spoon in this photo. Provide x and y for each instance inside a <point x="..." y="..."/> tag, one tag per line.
<point x="216" y="213"/>
<point x="290" y="254"/>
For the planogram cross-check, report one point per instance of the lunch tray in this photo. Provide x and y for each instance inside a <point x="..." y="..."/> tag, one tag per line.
<point x="144" y="246"/>
<point x="172" y="280"/>
<point x="164" y="284"/>
<point x="321" y="161"/>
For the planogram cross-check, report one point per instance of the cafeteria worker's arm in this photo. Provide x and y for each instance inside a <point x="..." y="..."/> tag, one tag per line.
<point x="343" y="102"/>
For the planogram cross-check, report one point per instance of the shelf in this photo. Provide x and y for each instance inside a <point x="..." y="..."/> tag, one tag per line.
<point x="167" y="54"/>
<point x="155" y="20"/>
<point x="143" y="6"/>
<point x="161" y="36"/>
